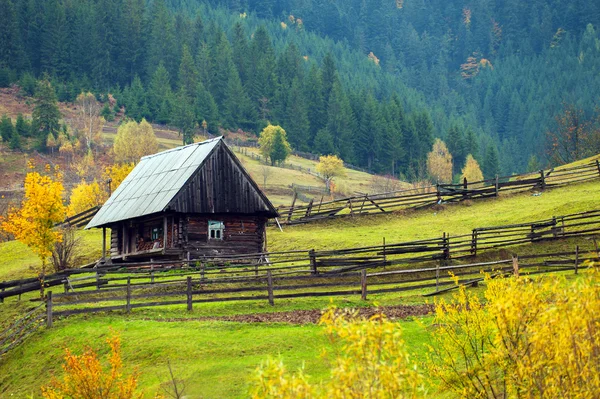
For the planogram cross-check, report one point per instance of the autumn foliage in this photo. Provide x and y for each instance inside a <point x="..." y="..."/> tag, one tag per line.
<point x="368" y="360"/>
<point x="330" y="166"/>
<point x="42" y="207"/>
<point x="134" y="140"/>
<point x="439" y="162"/>
<point x="85" y="196"/>
<point x="526" y="339"/>
<point x="471" y="171"/>
<point x="85" y="377"/>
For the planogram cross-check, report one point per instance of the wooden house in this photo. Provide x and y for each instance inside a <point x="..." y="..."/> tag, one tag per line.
<point x="188" y="202"/>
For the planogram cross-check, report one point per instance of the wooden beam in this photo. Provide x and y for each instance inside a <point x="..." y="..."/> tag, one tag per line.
<point x="165" y="235"/>
<point x="104" y="244"/>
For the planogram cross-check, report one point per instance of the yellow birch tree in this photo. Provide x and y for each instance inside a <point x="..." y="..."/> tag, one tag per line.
<point x="439" y="162"/>
<point x="42" y="207"/>
<point x="471" y="171"/>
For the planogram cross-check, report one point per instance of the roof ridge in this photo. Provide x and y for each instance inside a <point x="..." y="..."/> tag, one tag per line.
<point x="181" y="147"/>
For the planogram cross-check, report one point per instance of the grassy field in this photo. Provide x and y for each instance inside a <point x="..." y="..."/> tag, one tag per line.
<point x="454" y="219"/>
<point x="217" y="358"/>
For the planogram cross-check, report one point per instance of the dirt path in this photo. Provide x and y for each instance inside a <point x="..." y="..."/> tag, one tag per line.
<point x="313" y="316"/>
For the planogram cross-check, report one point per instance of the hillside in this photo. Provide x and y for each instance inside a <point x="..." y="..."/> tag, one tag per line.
<point x="216" y="356"/>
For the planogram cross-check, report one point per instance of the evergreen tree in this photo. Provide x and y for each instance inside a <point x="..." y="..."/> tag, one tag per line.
<point x="324" y="143"/>
<point x="188" y="75"/>
<point x="370" y="128"/>
<point x="160" y="95"/>
<point x="241" y="56"/>
<point x="340" y="123"/>
<point x="184" y="117"/>
<point x="296" y="120"/>
<point x="11" y="50"/>
<point x="262" y="82"/>
<point x="328" y="76"/>
<point x="316" y="109"/>
<point x="134" y="99"/>
<point x="237" y="108"/>
<point x="491" y="164"/>
<point x="206" y="109"/>
<point x="457" y="147"/>
<point x="22" y="126"/>
<point x="6" y="128"/>
<point x="45" y="115"/>
<point x="280" y="150"/>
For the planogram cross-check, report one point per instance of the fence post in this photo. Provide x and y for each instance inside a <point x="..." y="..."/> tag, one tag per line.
<point x="497" y="186"/>
<point x="202" y="267"/>
<point x="49" y="309"/>
<point x="598" y="166"/>
<point x="439" y="195"/>
<point x="543" y="179"/>
<point x="313" y="261"/>
<point x="384" y="254"/>
<point x="2" y="299"/>
<point x="128" y="295"/>
<point x="363" y="284"/>
<point x="446" y="241"/>
<point x="437" y="276"/>
<point x="189" y="293"/>
<point x="270" y="287"/>
<point x="515" y="263"/>
<point x="474" y="242"/>
<point x="576" y="259"/>
<point x="97" y="281"/>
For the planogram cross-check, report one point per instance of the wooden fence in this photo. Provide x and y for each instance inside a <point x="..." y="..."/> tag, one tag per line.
<point x="142" y="288"/>
<point x="327" y="262"/>
<point x="441" y="193"/>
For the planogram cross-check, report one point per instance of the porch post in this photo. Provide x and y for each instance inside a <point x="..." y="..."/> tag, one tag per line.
<point x="103" y="244"/>
<point x="164" y="251"/>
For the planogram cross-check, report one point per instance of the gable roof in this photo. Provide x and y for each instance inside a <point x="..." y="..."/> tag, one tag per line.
<point x="155" y="182"/>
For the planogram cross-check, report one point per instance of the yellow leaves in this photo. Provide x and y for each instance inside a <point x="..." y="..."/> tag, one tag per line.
<point x="330" y="166"/>
<point x="369" y="360"/>
<point x="283" y="25"/>
<point x="439" y="162"/>
<point x="85" y="377"/>
<point x="85" y="196"/>
<point x="373" y="58"/>
<point x="134" y="141"/>
<point x="116" y="174"/>
<point x="471" y="171"/>
<point x="537" y="337"/>
<point x="40" y="210"/>
<point x="467" y="16"/>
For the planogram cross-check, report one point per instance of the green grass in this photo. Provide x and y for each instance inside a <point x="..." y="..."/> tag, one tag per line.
<point x="18" y="261"/>
<point x="216" y="359"/>
<point x="454" y="219"/>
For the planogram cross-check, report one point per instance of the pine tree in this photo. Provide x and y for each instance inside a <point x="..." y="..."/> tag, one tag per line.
<point x="134" y="99"/>
<point x="296" y="120"/>
<point x="280" y="150"/>
<point x="491" y="164"/>
<point x="238" y="110"/>
<point x="340" y="122"/>
<point x="316" y="109"/>
<point x="184" y="117"/>
<point x="370" y="128"/>
<point x="11" y="50"/>
<point x="456" y="146"/>
<point x="46" y="114"/>
<point x="6" y="128"/>
<point x="328" y="76"/>
<point x="206" y="109"/>
<point x="160" y="95"/>
<point x="262" y="82"/>
<point x="22" y="126"/>
<point x="188" y="75"/>
<point x="324" y="143"/>
<point x="241" y="56"/>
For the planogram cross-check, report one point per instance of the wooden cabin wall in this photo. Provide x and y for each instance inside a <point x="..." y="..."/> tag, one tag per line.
<point x="131" y="237"/>
<point x="242" y="235"/>
<point x="220" y="186"/>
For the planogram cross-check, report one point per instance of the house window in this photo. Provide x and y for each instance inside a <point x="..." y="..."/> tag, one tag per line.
<point x="215" y="230"/>
<point x="157" y="232"/>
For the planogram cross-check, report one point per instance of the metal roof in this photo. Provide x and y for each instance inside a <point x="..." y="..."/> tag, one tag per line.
<point x="153" y="183"/>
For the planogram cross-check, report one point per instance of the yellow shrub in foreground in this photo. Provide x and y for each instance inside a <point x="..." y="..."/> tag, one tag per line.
<point x="369" y="360"/>
<point x="85" y="377"/>
<point x="532" y="339"/>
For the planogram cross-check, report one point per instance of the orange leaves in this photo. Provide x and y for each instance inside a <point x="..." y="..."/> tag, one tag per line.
<point x="85" y="376"/>
<point x="41" y="209"/>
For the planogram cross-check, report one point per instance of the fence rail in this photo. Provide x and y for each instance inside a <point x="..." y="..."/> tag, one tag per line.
<point x="122" y="293"/>
<point x="235" y="268"/>
<point x="440" y="193"/>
